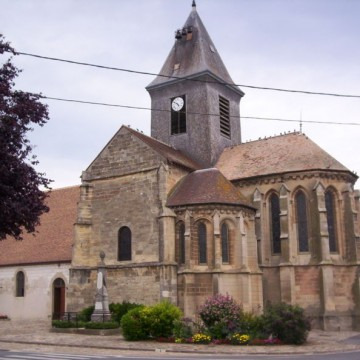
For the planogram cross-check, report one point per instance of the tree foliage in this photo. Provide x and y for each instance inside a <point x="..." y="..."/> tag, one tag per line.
<point x="21" y="200"/>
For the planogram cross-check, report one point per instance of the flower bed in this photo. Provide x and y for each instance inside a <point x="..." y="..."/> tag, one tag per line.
<point x="220" y="321"/>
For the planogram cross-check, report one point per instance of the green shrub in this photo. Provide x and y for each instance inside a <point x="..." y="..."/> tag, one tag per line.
<point x="101" y="325"/>
<point x="119" y="310"/>
<point x="287" y="323"/>
<point x="64" y="324"/>
<point x="133" y="325"/>
<point x="161" y="317"/>
<point x="183" y="328"/>
<point x="155" y="321"/>
<point x="251" y="324"/>
<point x="85" y="314"/>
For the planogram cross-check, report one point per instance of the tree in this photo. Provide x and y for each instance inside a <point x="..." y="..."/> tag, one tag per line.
<point x="21" y="200"/>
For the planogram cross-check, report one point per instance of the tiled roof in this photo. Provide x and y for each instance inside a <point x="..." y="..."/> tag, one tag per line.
<point x="53" y="241"/>
<point x="281" y="154"/>
<point x="166" y="151"/>
<point x="195" y="56"/>
<point x="207" y="186"/>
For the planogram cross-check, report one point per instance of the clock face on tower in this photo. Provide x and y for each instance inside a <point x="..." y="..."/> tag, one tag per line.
<point x="177" y="104"/>
<point x="178" y="115"/>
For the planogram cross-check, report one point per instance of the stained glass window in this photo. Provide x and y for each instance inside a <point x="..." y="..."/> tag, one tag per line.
<point x="301" y="217"/>
<point x="331" y="219"/>
<point x="225" y="243"/>
<point x="202" y="243"/>
<point x="124" y="244"/>
<point x="182" y="243"/>
<point x="275" y="223"/>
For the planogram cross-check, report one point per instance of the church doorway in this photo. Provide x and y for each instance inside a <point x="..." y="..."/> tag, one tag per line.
<point x="59" y="298"/>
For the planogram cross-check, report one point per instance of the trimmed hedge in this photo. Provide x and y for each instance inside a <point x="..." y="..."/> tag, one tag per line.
<point x="64" y="324"/>
<point x="102" y="325"/>
<point x="85" y="314"/>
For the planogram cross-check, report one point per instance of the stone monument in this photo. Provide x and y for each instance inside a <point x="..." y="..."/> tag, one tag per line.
<point x="101" y="311"/>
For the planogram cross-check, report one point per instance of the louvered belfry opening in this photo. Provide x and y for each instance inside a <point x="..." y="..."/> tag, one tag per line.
<point x="224" y="106"/>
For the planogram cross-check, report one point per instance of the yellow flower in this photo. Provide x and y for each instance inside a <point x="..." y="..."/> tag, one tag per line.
<point x="201" y="339"/>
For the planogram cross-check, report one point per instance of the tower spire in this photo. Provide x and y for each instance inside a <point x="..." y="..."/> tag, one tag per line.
<point x="194" y="4"/>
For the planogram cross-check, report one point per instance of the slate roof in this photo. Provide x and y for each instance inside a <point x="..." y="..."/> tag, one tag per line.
<point x="166" y="151"/>
<point x="207" y="186"/>
<point x="195" y="57"/>
<point x="53" y="241"/>
<point x="281" y="154"/>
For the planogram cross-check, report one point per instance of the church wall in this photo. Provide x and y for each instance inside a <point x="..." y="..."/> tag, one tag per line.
<point x="174" y="175"/>
<point x="293" y="183"/>
<point x="271" y="285"/>
<point x="124" y="154"/>
<point x="120" y="188"/>
<point x="140" y="284"/>
<point x="322" y="282"/>
<point x="130" y="201"/>
<point x="307" y="289"/>
<point x="134" y="200"/>
<point x="37" y="304"/>
<point x="240" y="277"/>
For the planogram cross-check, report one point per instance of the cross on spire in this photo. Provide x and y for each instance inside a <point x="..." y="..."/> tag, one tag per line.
<point x="194" y="4"/>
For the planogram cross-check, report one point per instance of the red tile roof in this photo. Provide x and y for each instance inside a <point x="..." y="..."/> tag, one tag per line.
<point x="281" y="154"/>
<point x="207" y="186"/>
<point x="53" y="241"/>
<point x="166" y="151"/>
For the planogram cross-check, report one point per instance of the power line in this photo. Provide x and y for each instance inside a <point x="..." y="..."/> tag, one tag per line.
<point x="195" y="113"/>
<point x="187" y="78"/>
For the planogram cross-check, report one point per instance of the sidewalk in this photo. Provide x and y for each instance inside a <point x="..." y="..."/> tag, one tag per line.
<point x="13" y="334"/>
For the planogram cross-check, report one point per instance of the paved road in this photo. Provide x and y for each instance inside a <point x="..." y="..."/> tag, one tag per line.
<point x="13" y="355"/>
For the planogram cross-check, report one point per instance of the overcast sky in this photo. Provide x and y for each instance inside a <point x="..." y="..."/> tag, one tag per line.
<point x="307" y="44"/>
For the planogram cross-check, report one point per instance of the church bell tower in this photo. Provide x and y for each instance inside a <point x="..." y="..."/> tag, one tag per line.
<point x="195" y="104"/>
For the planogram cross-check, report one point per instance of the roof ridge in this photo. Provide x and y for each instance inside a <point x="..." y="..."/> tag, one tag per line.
<point x="165" y="150"/>
<point x="295" y="132"/>
<point x="149" y="137"/>
<point x="63" y="188"/>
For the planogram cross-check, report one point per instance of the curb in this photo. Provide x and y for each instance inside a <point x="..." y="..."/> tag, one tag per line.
<point x="185" y="351"/>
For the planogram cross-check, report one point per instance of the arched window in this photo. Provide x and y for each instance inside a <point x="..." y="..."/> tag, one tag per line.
<point x="301" y="219"/>
<point x="20" y="284"/>
<point x="202" y="243"/>
<point x="275" y="223"/>
<point x="225" y="243"/>
<point x="182" y="243"/>
<point x="124" y="244"/>
<point x="331" y="219"/>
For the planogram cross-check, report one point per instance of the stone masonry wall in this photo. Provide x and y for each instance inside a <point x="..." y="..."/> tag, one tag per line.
<point x="132" y="283"/>
<point x="307" y="288"/>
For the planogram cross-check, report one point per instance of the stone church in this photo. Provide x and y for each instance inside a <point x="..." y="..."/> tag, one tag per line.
<point x="192" y="211"/>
